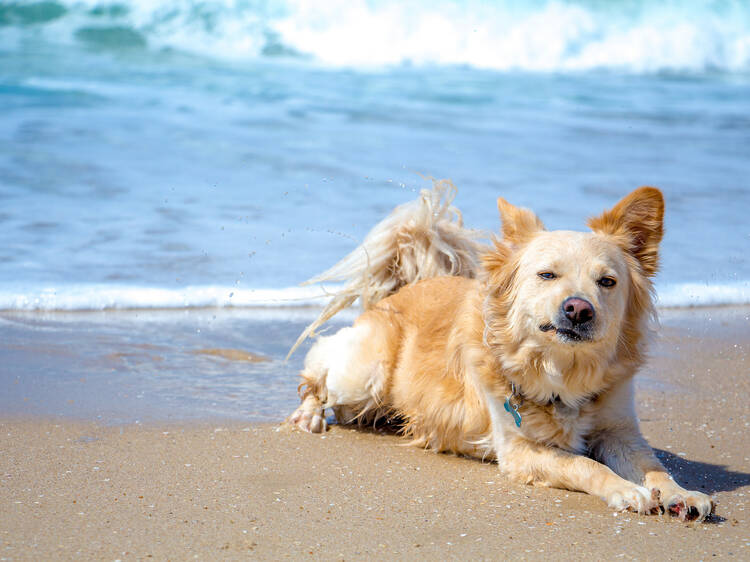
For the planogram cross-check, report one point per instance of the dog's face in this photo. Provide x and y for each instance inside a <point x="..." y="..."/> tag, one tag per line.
<point x="571" y="288"/>
<point x="575" y="290"/>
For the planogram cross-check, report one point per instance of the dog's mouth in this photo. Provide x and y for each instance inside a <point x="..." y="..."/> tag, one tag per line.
<point x="565" y="334"/>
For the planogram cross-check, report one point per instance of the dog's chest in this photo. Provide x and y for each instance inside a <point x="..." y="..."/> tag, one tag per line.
<point x="556" y="424"/>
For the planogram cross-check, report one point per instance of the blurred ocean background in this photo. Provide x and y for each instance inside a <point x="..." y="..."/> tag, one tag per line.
<point x="206" y="157"/>
<point x="179" y="154"/>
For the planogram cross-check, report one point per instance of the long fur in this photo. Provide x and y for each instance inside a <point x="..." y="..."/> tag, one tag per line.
<point x="421" y="239"/>
<point x="455" y="332"/>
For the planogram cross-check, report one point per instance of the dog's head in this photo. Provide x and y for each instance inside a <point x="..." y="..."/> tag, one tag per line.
<point x="571" y="291"/>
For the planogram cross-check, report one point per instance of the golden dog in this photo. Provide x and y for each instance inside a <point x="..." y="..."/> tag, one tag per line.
<point x="523" y="351"/>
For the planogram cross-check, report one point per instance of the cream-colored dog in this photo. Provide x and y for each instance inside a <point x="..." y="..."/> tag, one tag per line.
<point x="523" y="351"/>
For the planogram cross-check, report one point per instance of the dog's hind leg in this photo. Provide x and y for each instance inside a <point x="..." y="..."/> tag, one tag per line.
<point x="345" y="372"/>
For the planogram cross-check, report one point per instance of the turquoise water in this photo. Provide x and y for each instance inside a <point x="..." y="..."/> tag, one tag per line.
<point x="184" y="154"/>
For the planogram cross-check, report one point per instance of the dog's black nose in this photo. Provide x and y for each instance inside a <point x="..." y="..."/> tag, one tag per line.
<point x="578" y="311"/>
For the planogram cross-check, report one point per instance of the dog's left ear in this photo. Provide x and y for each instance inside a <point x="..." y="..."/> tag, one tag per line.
<point x="638" y="221"/>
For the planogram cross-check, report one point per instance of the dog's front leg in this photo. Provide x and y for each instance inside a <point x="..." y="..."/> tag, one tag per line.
<point x="621" y="446"/>
<point x="534" y="463"/>
<point x="616" y="441"/>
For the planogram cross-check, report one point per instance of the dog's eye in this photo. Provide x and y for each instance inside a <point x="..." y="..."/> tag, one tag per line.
<point x="547" y="275"/>
<point x="607" y="282"/>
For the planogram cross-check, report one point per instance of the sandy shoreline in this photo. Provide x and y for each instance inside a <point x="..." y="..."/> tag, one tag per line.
<point x="235" y="490"/>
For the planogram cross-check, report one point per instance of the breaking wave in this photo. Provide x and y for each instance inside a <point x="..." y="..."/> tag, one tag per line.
<point x="637" y="36"/>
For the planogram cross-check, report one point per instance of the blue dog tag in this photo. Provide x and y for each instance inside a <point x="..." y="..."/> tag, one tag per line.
<point x="512" y="409"/>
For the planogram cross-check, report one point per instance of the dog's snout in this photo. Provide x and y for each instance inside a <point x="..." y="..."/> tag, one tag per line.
<point x="577" y="310"/>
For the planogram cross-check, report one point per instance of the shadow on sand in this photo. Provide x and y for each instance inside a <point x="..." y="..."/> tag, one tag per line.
<point x="692" y="475"/>
<point x="707" y="477"/>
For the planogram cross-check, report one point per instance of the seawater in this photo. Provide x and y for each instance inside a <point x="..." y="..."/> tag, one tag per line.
<point x="189" y="154"/>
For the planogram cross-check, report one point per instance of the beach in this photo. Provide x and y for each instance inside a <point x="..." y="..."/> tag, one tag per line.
<point x="221" y="487"/>
<point x="171" y="171"/>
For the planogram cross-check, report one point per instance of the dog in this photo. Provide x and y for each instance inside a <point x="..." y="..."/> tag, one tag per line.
<point x="522" y="350"/>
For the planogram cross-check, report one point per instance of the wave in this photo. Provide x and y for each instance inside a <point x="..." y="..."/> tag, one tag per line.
<point x="108" y="297"/>
<point x="641" y="36"/>
<point x="685" y="295"/>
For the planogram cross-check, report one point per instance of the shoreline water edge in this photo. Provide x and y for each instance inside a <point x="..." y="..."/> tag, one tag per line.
<point x="122" y="366"/>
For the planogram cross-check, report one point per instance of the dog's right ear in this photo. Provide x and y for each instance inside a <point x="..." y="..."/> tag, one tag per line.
<point x="519" y="224"/>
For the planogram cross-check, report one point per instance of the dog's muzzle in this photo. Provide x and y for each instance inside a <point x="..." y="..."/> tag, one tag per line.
<point x="575" y="321"/>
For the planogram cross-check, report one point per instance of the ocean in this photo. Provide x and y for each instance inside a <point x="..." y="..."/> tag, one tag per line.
<point x="165" y="154"/>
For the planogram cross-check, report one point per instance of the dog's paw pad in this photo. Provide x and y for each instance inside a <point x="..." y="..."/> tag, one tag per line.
<point x="683" y="511"/>
<point x="677" y="508"/>
<point x="693" y="506"/>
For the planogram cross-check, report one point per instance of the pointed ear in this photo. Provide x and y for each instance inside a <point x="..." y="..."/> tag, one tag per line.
<point x="638" y="220"/>
<point x="518" y="224"/>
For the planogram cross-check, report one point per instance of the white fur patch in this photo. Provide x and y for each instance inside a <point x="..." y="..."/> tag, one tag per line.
<point x="497" y="416"/>
<point x="349" y="380"/>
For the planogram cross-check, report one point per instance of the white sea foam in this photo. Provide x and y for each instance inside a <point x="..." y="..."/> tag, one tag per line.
<point x="103" y="297"/>
<point x="538" y="35"/>
<point x="82" y="86"/>
<point x="702" y="294"/>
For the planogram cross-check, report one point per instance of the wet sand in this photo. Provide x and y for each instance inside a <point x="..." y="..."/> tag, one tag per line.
<point x="227" y="489"/>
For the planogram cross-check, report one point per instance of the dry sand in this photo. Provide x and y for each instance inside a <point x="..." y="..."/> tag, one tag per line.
<point x="226" y="490"/>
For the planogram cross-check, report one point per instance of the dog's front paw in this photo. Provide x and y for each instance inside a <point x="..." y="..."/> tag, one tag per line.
<point x="689" y="506"/>
<point x="679" y="502"/>
<point x="309" y="416"/>
<point x="634" y="498"/>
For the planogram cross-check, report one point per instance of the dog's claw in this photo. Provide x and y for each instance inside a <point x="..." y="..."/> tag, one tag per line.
<point x="656" y="499"/>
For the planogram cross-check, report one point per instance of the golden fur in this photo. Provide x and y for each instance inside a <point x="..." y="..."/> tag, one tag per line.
<point x="445" y="353"/>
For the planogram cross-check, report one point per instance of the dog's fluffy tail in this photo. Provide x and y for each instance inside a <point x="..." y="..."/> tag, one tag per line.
<point x="421" y="239"/>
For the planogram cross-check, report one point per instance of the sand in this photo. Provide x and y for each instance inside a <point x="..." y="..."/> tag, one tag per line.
<point x="229" y="490"/>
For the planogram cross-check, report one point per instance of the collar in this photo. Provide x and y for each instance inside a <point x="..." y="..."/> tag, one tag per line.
<point x="516" y="399"/>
